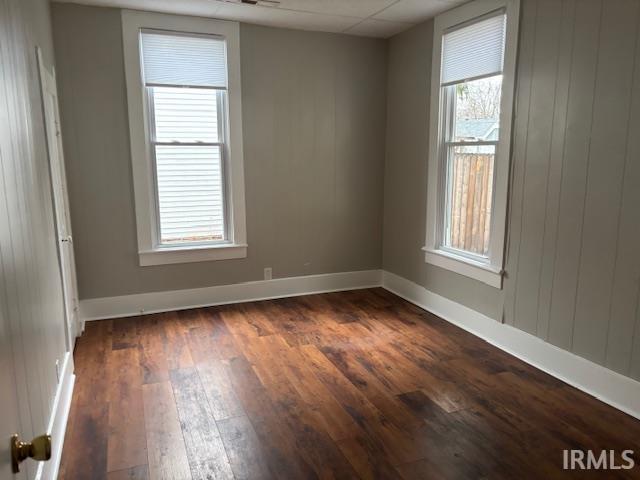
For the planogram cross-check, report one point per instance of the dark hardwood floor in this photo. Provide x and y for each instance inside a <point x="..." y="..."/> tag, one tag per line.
<point x="344" y="385"/>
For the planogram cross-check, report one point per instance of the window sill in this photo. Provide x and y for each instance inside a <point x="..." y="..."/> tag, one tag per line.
<point x="464" y="266"/>
<point x="190" y="254"/>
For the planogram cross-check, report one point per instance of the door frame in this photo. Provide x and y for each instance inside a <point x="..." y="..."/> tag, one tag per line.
<point x="60" y="202"/>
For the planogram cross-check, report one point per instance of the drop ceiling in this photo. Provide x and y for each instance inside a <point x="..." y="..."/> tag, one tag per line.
<point x="369" y="18"/>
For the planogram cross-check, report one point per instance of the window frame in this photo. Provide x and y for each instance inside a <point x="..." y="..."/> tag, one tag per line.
<point x="448" y="142"/>
<point x="222" y="143"/>
<point x="150" y="250"/>
<point x="489" y="271"/>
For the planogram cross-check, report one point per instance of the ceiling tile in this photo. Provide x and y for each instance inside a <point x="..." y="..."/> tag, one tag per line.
<point x="349" y="8"/>
<point x="285" y="18"/>
<point x="320" y="15"/>
<point x="201" y="8"/>
<point x="416" y="11"/>
<point x="378" y="28"/>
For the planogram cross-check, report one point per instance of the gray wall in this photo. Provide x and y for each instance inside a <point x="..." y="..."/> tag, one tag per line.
<point x="314" y="133"/>
<point x="573" y="262"/>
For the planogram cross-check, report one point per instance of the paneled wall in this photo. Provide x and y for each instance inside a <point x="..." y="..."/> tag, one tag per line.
<point x="573" y="259"/>
<point x="573" y="262"/>
<point x="314" y="132"/>
<point x="31" y="299"/>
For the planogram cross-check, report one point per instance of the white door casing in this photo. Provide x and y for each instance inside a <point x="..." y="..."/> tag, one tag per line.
<point x="60" y="199"/>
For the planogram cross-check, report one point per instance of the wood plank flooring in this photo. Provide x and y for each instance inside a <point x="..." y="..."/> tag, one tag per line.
<point x="344" y="385"/>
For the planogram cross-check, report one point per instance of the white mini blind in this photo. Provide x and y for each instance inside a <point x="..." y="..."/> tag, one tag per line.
<point x="183" y="60"/>
<point x="474" y="51"/>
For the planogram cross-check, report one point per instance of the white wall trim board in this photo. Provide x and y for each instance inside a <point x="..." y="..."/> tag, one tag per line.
<point x="58" y="420"/>
<point x="608" y="386"/>
<point x="144" y="303"/>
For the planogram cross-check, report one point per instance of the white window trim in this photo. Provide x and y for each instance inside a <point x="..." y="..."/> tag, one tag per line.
<point x="489" y="272"/>
<point x="144" y="189"/>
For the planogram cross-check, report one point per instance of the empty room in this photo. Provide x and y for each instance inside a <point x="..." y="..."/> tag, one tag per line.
<point x="319" y="239"/>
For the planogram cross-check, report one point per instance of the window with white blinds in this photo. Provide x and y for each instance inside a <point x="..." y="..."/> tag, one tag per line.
<point x="472" y="61"/>
<point x="183" y="59"/>
<point x="474" y="51"/>
<point x="185" y="80"/>
<point x="472" y="89"/>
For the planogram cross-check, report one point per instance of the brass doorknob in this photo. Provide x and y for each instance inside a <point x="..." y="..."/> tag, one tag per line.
<point x="39" y="449"/>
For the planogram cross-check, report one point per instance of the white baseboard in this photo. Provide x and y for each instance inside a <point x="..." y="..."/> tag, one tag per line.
<point x="129" y="305"/>
<point x="58" y="420"/>
<point x="608" y="386"/>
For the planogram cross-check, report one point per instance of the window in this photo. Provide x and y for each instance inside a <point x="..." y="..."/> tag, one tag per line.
<point x="183" y="86"/>
<point x="472" y="97"/>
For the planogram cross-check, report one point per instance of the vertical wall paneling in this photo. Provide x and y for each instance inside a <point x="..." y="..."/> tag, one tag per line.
<point x="8" y="256"/>
<point x="20" y="266"/>
<point x="554" y="178"/>
<point x="573" y="267"/>
<point x="586" y="53"/>
<point x="518" y="165"/>
<point x="625" y="286"/>
<point x="634" y="371"/>
<point x="322" y="171"/>
<point x="537" y="158"/>
<point x="287" y="165"/>
<point x="604" y="178"/>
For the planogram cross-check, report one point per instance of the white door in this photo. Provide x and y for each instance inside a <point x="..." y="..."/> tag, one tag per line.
<point x="60" y="199"/>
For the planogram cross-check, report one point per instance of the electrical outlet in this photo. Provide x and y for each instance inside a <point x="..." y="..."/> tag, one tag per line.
<point x="268" y="273"/>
